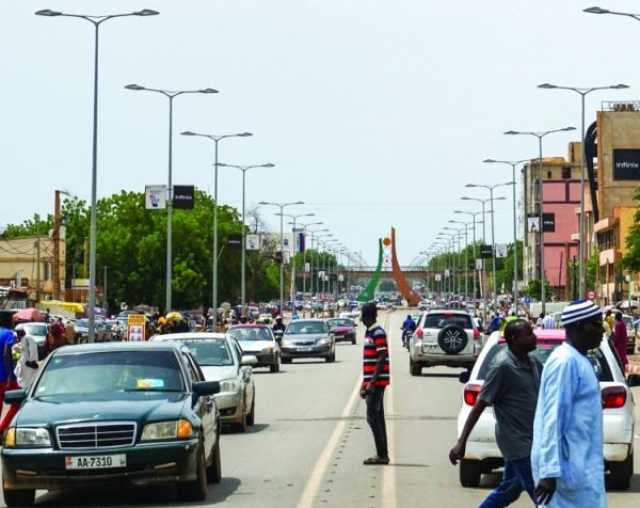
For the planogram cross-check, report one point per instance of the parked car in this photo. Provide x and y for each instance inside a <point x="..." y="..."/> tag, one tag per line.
<point x="258" y="341"/>
<point x="110" y="415"/>
<point x="343" y="329"/>
<point x="308" y="338"/>
<point x="39" y="331"/>
<point x="482" y="454"/>
<point x="82" y="330"/>
<point x="444" y="337"/>
<point x="220" y="358"/>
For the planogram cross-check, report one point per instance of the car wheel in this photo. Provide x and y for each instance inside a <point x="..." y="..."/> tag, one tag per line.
<point x="251" y="417"/>
<point x="470" y="472"/>
<point x="241" y="425"/>
<point x="620" y="473"/>
<point x="214" y="471"/>
<point x="415" y="368"/>
<point x="331" y="358"/>
<point x="19" y="497"/>
<point x="286" y="360"/>
<point x="197" y="489"/>
<point x="452" y="339"/>
<point x="353" y="341"/>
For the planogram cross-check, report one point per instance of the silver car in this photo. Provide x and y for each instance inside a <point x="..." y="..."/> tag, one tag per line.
<point x="38" y="331"/>
<point x="258" y="341"/>
<point x="308" y="338"/>
<point x="220" y="359"/>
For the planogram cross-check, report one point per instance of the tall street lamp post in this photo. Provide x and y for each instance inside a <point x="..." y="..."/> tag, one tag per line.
<point x="513" y="165"/>
<point x="319" y="245"/>
<point x="466" y="253"/>
<point x="214" y="273"/>
<point x="473" y="216"/>
<point x="540" y="135"/>
<point x="304" y="253"/>
<point x="96" y="21"/>
<point x="281" y="206"/>
<point x="243" y="261"/>
<point x="582" y="226"/>
<point x="170" y="95"/>
<point x="294" y="219"/>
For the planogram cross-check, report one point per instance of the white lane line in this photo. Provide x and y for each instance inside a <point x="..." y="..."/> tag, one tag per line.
<point x="313" y="484"/>
<point x="389" y="499"/>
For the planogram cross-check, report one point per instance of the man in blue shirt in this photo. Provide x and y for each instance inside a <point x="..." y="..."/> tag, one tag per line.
<point x="6" y="342"/>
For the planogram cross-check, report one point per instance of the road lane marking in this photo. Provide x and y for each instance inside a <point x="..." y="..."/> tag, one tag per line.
<point x="389" y="473"/>
<point x="319" y="470"/>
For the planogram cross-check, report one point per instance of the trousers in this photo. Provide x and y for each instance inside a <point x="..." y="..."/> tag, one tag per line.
<point x="375" y="419"/>
<point x="516" y="479"/>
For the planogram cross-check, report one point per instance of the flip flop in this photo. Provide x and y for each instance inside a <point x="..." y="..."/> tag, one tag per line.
<point x="376" y="461"/>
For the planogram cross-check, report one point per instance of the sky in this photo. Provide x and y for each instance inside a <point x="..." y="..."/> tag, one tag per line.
<point x="375" y="113"/>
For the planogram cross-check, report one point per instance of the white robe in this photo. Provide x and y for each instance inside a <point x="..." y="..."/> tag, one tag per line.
<point x="567" y="431"/>
<point x="25" y="374"/>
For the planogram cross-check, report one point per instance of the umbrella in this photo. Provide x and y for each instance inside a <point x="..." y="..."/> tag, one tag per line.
<point x="30" y="314"/>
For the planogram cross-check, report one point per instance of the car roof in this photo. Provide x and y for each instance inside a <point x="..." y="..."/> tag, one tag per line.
<point x="445" y="310"/>
<point x="308" y="321"/>
<point x="188" y="336"/>
<point x="254" y="325"/>
<point x="102" y="347"/>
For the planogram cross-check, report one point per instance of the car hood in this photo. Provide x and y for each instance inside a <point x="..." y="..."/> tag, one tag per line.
<point x="140" y="406"/>
<point x="305" y="337"/>
<point x="212" y="373"/>
<point x="254" y="346"/>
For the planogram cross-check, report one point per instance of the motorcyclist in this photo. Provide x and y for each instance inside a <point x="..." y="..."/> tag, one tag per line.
<point x="408" y="327"/>
<point x="278" y="326"/>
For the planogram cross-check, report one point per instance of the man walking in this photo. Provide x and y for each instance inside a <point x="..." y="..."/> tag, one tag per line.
<point x="567" y="456"/>
<point x="511" y="387"/>
<point x="376" y="377"/>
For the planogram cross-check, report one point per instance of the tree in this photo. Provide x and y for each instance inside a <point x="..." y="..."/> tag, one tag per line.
<point x="631" y="260"/>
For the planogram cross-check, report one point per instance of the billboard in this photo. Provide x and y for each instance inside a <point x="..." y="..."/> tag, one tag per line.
<point x="155" y="197"/>
<point x="626" y="164"/>
<point x="183" y="197"/>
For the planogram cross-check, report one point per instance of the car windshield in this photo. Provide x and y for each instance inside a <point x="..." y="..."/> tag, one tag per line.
<point x="34" y="329"/>
<point x="306" y="327"/>
<point x="442" y="319"/>
<point x="105" y="372"/>
<point x="340" y="322"/>
<point x="542" y="353"/>
<point x="209" y="352"/>
<point x="241" y="334"/>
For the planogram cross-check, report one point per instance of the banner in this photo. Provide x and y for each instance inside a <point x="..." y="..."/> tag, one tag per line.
<point x="479" y="264"/>
<point x="549" y="222"/>
<point x="486" y="251"/>
<point x="626" y="164"/>
<point x="155" y="197"/>
<point x="136" y="327"/>
<point x="183" y="197"/>
<point x="501" y="250"/>
<point x="307" y="267"/>
<point x="234" y="241"/>
<point x="533" y="224"/>
<point x="252" y="242"/>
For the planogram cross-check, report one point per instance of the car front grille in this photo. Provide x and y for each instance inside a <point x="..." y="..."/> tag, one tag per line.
<point x="84" y="436"/>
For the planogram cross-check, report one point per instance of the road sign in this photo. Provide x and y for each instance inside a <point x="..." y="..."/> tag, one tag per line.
<point x="136" y="327"/>
<point x="155" y="197"/>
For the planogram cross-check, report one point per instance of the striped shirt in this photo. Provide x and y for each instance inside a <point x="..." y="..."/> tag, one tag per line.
<point x="375" y="344"/>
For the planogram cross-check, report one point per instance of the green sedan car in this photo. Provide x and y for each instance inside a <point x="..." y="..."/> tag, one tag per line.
<point x="116" y="413"/>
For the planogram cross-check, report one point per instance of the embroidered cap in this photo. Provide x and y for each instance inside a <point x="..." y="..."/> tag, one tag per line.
<point x="579" y="311"/>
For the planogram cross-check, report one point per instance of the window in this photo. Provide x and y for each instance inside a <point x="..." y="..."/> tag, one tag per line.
<point x="440" y="320"/>
<point x="566" y="172"/>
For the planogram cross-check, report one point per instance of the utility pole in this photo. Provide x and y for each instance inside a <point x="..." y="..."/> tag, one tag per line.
<point x="105" y="301"/>
<point x="55" y="268"/>
<point x="37" y="270"/>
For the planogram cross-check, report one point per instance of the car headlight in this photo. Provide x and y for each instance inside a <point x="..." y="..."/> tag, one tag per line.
<point x="229" y="385"/>
<point x="287" y="343"/>
<point x="28" y="437"/>
<point x="174" y="429"/>
<point x="324" y="342"/>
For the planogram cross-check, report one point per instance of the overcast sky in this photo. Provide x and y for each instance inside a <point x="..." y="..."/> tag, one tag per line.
<point x="376" y="113"/>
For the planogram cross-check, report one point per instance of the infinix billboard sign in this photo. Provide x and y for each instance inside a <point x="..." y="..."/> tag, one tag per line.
<point x="626" y="164"/>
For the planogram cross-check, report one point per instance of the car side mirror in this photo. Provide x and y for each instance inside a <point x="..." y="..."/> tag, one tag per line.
<point x="202" y="388"/>
<point x="15" y="396"/>
<point x="249" y="361"/>
<point x="464" y="376"/>
<point x="632" y="380"/>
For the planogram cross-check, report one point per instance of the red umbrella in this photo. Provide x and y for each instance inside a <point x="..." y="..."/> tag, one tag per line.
<point x="28" y="315"/>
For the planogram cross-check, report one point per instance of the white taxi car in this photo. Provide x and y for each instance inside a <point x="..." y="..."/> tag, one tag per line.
<point x="482" y="454"/>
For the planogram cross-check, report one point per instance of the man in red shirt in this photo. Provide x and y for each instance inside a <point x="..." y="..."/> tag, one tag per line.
<point x="376" y="377"/>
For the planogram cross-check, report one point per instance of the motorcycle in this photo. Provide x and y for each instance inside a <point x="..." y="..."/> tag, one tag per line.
<point x="406" y="337"/>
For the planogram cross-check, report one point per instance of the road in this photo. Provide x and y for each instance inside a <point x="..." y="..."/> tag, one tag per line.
<point x="310" y="438"/>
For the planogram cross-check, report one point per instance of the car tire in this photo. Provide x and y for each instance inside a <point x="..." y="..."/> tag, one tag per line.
<point x="353" y="341"/>
<point x="286" y="360"/>
<point x="197" y="489"/>
<point x="452" y="339"/>
<point x="620" y="473"/>
<point x="251" y="417"/>
<point x="19" y="497"/>
<point x="415" y="368"/>
<point x="214" y="471"/>
<point x="331" y="358"/>
<point x="470" y="472"/>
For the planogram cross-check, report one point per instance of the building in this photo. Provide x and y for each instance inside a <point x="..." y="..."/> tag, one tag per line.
<point x="26" y="262"/>
<point x="615" y="182"/>
<point x="561" y="194"/>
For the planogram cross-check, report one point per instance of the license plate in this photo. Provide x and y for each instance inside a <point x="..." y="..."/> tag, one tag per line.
<point x="430" y="348"/>
<point x="305" y="349"/>
<point x="95" y="462"/>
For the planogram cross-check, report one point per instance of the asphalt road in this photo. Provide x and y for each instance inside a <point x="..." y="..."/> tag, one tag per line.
<point x="310" y="438"/>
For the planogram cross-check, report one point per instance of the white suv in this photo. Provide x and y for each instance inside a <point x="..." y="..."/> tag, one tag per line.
<point x="482" y="454"/>
<point x="444" y="337"/>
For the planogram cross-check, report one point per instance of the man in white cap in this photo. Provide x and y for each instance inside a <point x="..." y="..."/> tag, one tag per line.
<point x="567" y="457"/>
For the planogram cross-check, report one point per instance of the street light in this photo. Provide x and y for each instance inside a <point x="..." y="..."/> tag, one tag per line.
<point x="473" y="216"/>
<point x="243" y="268"/>
<point x="599" y="10"/>
<point x="281" y="206"/>
<point x="171" y="95"/>
<point x="214" y="277"/>
<point x="540" y="135"/>
<point x="304" y="253"/>
<point x="583" y="92"/>
<point x="322" y="245"/>
<point x="466" y="253"/>
<point x="457" y="235"/>
<point x="513" y="165"/>
<point x="294" y="218"/>
<point x="96" y="21"/>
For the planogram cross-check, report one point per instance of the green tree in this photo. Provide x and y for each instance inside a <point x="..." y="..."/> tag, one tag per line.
<point x="631" y="260"/>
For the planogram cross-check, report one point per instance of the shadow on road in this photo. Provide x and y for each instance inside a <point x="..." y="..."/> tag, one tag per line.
<point x="442" y="374"/>
<point x="228" y="428"/>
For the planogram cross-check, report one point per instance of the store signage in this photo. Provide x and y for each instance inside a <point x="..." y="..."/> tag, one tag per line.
<point x="549" y="222"/>
<point x="626" y="164"/>
<point x="183" y="197"/>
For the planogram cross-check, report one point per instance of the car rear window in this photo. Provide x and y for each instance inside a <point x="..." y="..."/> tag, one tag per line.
<point x="250" y="333"/>
<point x="542" y="353"/>
<point x="306" y="327"/>
<point x="340" y="322"/>
<point x="442" y="319"/>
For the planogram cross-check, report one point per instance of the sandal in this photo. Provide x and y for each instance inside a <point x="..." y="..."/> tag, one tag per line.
<point x="376" y="461"/>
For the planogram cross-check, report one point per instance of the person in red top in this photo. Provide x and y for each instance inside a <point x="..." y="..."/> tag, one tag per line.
<point x="620" y="339"/>
<point x="376" y="377"/>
